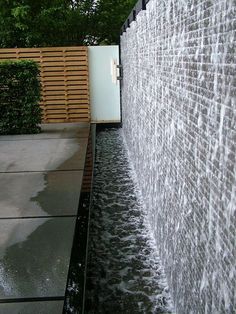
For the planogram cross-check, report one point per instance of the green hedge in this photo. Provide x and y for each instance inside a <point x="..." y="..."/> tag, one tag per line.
<point x="19" y="97"/>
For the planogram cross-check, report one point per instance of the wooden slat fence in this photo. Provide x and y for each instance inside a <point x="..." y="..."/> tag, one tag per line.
<point x="64" y="81"/>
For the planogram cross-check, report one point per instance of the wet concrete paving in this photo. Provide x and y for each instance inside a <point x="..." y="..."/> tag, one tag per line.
<point x="40" y="181"/>
<point x="32" y="307"/>
<point x="39" y="193"/>
<point x="42" y="154"/>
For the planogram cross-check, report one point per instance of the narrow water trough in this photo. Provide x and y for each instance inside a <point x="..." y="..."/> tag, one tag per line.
<point x="123" y="272"/>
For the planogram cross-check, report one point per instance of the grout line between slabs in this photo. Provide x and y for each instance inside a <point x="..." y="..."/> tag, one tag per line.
<point x="43" y="171"/>
<point x="31" y="299"/>
<point x="33" y="217"/>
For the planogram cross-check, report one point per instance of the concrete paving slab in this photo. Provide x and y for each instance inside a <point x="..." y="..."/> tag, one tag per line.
<point x="67" y="130"/>
<point x="34" y="256"/>
<point x="46" y="307"/>
<point x="40" y="175"/>
<point x="39" y="193"/>
<point x="42" y="155"/>
<point x="50" y="131"/>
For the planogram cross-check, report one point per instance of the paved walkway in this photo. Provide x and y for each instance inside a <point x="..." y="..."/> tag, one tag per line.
<point x="40" y="180"/>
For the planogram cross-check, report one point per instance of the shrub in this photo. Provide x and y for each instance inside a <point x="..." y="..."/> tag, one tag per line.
<point x="19" y="97"/>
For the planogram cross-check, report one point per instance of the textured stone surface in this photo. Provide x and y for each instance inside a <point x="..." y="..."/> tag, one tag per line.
<point x="179" y="119"/>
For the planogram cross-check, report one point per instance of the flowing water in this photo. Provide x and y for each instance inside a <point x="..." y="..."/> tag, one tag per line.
<point x="124" y="273"/>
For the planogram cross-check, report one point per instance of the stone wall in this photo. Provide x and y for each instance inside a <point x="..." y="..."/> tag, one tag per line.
<point x="179" y="120"/>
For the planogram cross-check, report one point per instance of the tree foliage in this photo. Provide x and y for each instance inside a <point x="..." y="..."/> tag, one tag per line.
<point x="32" y="23"/>
<point x="111" y="15"/>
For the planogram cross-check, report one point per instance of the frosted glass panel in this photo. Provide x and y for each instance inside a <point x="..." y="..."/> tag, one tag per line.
<point x="104" y="88"/>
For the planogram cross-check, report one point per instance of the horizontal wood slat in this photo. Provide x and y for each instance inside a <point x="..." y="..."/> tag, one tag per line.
<point x="64" y="81"/>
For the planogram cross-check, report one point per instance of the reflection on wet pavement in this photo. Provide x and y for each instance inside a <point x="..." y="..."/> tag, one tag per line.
<point x="34" y="256"/>
<point x="40" y="182"/>
<point x="46" y="307"/>
<point x="42" y="155"/>
<point x="39" y="193"/>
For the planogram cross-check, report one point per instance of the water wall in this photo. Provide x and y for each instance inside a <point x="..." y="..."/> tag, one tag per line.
<point x="179" y="121"/>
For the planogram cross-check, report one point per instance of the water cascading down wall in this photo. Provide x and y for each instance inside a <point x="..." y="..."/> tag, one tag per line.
<point x="179" y="120"/>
